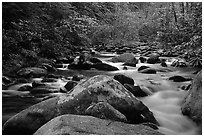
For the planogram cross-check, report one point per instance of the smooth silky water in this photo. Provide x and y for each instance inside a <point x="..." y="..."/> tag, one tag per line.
<point x="165" y="99"/>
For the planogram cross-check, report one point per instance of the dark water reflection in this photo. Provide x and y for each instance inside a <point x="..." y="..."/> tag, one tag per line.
<point x="15" y="104"/>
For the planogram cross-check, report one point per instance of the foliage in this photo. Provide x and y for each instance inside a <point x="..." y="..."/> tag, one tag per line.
<point x="48" y="29"/>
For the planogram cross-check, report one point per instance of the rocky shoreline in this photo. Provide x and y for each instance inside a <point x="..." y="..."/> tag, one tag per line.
<point x="91" y="100"/>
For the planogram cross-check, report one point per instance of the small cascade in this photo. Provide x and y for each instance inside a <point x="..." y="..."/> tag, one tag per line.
<point x="166" y="107"/>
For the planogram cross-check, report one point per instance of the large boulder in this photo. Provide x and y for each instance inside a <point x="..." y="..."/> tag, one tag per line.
<point x="32" y="71"/>
<point x="126" y="57"/>
<point x="88" y="125"/>
<point x="192" y="104"/>
<point x="153" y="59"/>
<point x="99" y="88"/>
<point x="104" y="67"/>
<point x="124" y="79"/>
<point x="104" y="110"/>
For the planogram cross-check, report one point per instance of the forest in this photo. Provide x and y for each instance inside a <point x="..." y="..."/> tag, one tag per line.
<point x="51" y="30"/>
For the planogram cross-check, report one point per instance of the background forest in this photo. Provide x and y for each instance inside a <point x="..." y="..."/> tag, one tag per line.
<point x="51" y="30"/>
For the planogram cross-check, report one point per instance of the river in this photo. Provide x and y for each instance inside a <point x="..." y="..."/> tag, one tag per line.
<point x="165" y="101"/>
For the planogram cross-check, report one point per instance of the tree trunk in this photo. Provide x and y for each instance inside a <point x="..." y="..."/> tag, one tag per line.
<point x="182" y="12"/>
<point x="173" y="8"/>
<point x="182" y="8"/>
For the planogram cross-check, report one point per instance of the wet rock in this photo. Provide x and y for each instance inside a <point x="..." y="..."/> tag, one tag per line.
<point x="70" y="85"/>
<point x="148" y="71"/>
<point x="142" y="68"/>
<point x="21" y="80"/>
<point x="92" y="52"/>
<point x="104" y="67"/>
<point x="188" y="87"/>
<point x="151" y="125"/>
<point x="192" y="103"/>
<point x="59" y="65"/>
<point x="146" y="90"/>
<point x="135" y="90"/>
<point x="78" y="77"/>
<point x="44" y="90"/>
<point x="185" y="87"/>
<point x="49" y="80"/>
<point x="80" y="66"/>
<point x="179" y="79"/>
<point x="99" y="88"/>
<point x="153" y="59"/>
<point x="53" y="76"/>
<point x="104" y="110"/>
<point x="125" y="68"/>
<point x="46" y="98"/>
<point x="163" y="64"/>
<point x="32" y="72"/>
<point x="126" y="57"/>
<point x="37" y="84"/>
<point x="124" y="79"/>
<point x="164" y="69"/>
<point x="48" y="67"/>
<point x="88" y="125"/>
<point x="131" y="64"/>
<point x="142" y="59"/>
<point x="95" y="60"/>
<point x="25" y="88"/>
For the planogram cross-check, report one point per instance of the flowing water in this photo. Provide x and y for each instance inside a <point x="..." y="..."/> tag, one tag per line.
<point x="165" y="99"/>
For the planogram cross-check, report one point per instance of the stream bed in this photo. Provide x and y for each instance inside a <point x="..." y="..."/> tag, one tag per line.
<point x="165" y="101"/>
